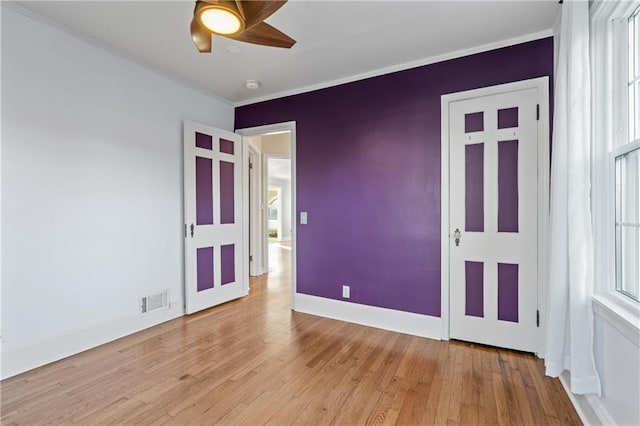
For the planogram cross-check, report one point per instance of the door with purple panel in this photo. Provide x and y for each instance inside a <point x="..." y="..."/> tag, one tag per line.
<point x="213" y="216"/>
<point x="493" y="219"/>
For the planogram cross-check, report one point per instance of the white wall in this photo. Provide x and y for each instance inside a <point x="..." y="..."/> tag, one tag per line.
<point x="618" y="362"/>
<point x="285" y="205"/>
<point x="257" y="142"/>
<point x="91" y="191"/>
<point x="279" y="144"/>
<point x="617" y="355"/>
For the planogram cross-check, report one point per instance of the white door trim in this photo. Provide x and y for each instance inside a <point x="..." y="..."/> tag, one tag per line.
<point x="542" y="84"/>
<point x="281" y="127"/>
<point x="255" y="183"/>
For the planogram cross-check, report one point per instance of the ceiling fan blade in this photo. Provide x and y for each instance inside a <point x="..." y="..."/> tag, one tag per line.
<point x="265" y="35"/>
<point x="240" y="8"/>
<point x="201" y="36"/>
<point x="257" y="11"/>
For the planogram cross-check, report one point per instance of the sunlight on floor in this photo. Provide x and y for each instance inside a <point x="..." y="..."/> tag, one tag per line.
<point x="279" y="264"/>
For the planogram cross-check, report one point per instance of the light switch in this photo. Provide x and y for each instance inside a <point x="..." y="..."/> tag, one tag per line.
<point x="346" y="291"/>
<point x="303" y="218"/>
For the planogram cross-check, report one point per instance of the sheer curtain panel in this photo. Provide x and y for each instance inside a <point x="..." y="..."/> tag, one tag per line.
<point x="569" y="333"/>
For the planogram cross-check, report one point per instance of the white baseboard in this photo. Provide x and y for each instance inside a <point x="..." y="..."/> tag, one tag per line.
<point x="39" y="354"/>
<point x="589" y="408"/>
<point x="387" y="319"/>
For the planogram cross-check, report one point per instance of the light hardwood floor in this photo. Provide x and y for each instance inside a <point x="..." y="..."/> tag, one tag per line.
<point x="254" y="361"/>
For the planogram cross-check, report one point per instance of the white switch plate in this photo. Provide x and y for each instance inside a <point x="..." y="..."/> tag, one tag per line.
<point x="303" y="218"/>
<point x="346" y="291"/>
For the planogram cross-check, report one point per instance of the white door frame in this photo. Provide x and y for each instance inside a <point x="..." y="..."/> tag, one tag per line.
<point x="255" y="227"/>
<point x="289" y="126"/>
<point x="542" y="84"/>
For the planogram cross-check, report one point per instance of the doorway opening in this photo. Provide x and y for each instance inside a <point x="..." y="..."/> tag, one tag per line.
<point x="271" y="238"/>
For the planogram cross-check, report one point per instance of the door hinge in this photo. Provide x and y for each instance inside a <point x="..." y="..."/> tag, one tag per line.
<point x="250" y="166"/>
<point x="185" y="230"/>
<point x="250" y="258"/>
<point x="537" y="318"/>
<point x="537" y="112"/>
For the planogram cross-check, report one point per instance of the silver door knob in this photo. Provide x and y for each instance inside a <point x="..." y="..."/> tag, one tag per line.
<point x="456" y="236"/>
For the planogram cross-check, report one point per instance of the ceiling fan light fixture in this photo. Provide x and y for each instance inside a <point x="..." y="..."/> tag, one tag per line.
<point x="237" y="20"/>
<point x="221" y="20"/>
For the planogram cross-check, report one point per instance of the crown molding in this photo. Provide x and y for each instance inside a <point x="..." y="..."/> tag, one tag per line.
<point x="404" y="66"/>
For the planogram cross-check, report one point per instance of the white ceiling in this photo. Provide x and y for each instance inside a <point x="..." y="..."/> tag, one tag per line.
<point x="336" y="40"/>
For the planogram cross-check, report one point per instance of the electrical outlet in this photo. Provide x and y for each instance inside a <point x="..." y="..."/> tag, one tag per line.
<point x="346" y="291"/>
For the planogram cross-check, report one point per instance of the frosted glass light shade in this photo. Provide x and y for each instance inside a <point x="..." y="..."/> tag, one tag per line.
<point x="220" y="21"/>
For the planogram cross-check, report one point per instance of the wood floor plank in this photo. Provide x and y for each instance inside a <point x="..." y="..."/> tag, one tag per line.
<point x="435" y="385"/>
<point x="391" y="418"/>
<point x="448" y="366"/>
<point x="254" y="361"/>
<point x="455" y="400"/>
<point x="470" y="392"/>
<point x="508" y="385"/>
<point x="519" y="388"/>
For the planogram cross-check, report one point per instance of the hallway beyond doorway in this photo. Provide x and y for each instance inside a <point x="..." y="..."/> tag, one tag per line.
<point x="280" y="259"/>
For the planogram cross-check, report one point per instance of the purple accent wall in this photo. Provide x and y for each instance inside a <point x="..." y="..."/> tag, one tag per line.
<point x="368" y="173"/>
<point x="204" y="141"/>
<point x="204" y="268"/>
<point x="508" y="292"/>
<point x="227" y="263"/>
<point x="508" y="186"/>
<point x="226" y="146"/>
<point x="226" y="192"/>
<point x="507" y="117"/>
<point x="474" y="122"/>
<point x="474" y="187"/>
<point x="474" y="288"/>
<point x="204" y="191"/>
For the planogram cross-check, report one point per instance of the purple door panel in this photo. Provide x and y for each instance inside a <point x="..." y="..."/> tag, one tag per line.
<point x="204" y="191"/>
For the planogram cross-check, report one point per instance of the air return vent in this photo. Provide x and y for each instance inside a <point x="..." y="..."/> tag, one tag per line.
<point x="154" y="302"/>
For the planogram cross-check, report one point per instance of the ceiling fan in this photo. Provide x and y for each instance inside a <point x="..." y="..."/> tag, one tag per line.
<point x="238" y="20"/>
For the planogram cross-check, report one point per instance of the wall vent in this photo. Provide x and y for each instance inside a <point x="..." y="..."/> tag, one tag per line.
<point x="154" y="302"/>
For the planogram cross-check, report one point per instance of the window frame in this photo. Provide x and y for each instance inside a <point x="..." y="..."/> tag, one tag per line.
<point x="609" y="21"/>
<point x="623" y="141"/>
<point x="615" y="153"/>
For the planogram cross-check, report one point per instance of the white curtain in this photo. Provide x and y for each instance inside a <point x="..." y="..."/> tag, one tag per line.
<point x="569" y="336"/>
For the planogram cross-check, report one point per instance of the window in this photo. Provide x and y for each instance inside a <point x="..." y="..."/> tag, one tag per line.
<point x="633" y="75"/>
<point x="626" y="157"/>
<point x="615" y="76"/>
<point x="627" y="199"/>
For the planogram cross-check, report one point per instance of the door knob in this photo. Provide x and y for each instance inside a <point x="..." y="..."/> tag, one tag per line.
<point x="192" y="227"/>
<point x="456" y="236"/>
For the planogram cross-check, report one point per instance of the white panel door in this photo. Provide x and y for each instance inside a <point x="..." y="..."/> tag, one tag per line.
<point x="214" y="243"/>
<point x="493" y="219"/>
